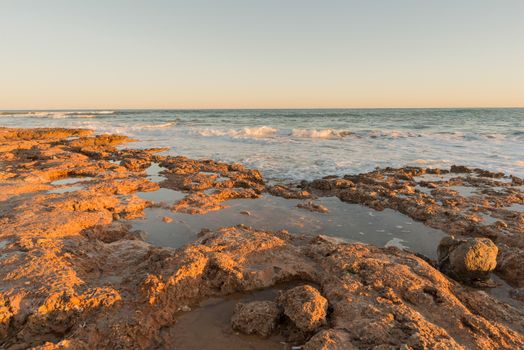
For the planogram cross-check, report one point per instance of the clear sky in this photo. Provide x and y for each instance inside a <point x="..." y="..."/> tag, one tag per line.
<point x="261" y="54"/>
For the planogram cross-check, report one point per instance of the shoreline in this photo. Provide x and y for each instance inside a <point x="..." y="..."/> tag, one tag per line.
<point x="76" y="275"/>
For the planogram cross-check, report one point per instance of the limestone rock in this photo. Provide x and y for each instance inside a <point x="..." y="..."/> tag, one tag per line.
<point x="257" y="317"/>
<point x="305" y="307"/>
<point x="331" y="339"/>
<point x="468" y="259"/>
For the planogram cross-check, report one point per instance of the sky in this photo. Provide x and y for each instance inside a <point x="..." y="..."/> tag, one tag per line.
<point x="64" y="54"/>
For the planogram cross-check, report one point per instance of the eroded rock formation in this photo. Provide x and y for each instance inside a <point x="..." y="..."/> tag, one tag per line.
<point x="76" y="276"/>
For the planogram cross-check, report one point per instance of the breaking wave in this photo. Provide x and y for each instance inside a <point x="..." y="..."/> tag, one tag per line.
<point x="270" y="132"/>
<point x="320" y="134"/>
<point x="254" y="132"/>
<point x="56" y="114"/>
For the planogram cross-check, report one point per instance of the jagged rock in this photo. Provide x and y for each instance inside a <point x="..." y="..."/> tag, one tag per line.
<point x="257" y="317"/>
<point x="431" y="195"/>
<point x="468" y="259"/>
<point x="287" y="192"/>
<point x="72" y="280"/>
<point x="331" y="339"/>
<point x="305" y="307"/>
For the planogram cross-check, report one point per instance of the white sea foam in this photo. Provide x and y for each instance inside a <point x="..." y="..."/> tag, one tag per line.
<point x="307" y="144"/>
<point x="156" y="126"/>
<point x="270" y="132"/>
<point x="393" y="134"/>
<point x="253" y="132"/>
<point x="320" y="133"/>
<point x="55" y="114"/>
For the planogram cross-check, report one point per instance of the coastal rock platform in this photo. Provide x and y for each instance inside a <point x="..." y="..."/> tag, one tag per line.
<point x="75" y="275"/>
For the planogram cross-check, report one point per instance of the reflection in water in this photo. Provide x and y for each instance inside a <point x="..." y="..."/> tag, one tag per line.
<point x="162" y="195"/>
<point x="351" y="222"/>
<point x="70" y="181"/>
<point x="516" y="207"/>
<point x="63" y="184"/>
<point x="153" y="173"/>
<point x="464" y="191"/>
<point x="66" y="189"/>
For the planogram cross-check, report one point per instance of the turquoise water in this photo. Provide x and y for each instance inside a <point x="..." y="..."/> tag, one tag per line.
<point x="306" y="144"/>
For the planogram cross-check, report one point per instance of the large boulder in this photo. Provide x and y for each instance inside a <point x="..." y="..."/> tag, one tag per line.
<point x="305" y="307"/>
<point x="257" y="317"/>
<point x="469" y="259"/>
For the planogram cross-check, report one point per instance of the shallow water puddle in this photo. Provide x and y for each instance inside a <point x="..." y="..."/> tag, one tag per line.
<point x="70" y="181"/>
<point x="464" y="191"/>
<point x="487" y="219"/>
<point x="208" y="326"/>
<point x="4" y="243"/>
<point x="63" y="185"/>
<point x="516" y="207"/>
<point x="66" y="189"/>
<point x="396" y="242"/>
<point x="435" y="177"/>
<point x="162" y="195"/>
<point x="351" y="222"/>
<point x="423" y="189"/>
<point x="503" y="292"/>
<point x="153" y="173"/>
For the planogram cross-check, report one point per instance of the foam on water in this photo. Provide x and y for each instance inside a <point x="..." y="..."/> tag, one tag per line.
<point x="255" y="132"/>
<point x="54" y="114"/>
<point x="307" y="144"/>
<point x="320" y="134"/>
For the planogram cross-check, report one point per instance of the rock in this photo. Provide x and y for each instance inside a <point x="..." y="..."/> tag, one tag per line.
<point x="469" y="259"/>
<point x="257" y="317"/>
<point x="245" y="212"/>
<point x="74" y="280"/>
<point x="460" y="169"/>
<point x="427" y="195"/>
<point x="167" y="219"/>
<point x="287" y="192"/>
<point x="331" y="339"/>
<point x="312" y="206"/>
<point x="305" y="307"/>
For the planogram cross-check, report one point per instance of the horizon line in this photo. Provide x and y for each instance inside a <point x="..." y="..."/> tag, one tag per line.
<point x="244" y="108"/>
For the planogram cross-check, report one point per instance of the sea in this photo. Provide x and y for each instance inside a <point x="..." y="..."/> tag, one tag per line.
<point x="295" y="144"/>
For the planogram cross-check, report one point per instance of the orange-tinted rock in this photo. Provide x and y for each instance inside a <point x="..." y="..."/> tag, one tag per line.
<point x="469" y="259"/>
<point x="305" y="307"/>
<point x="73" y="278"/>
<point x="331" y="339"/>
<point x="461" y="201"/>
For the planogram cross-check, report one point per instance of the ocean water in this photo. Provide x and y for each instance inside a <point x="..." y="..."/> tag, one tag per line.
<point x="308" y="144"/>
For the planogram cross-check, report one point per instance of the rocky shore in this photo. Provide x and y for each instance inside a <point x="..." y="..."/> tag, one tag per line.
<point x="75" y="275"/>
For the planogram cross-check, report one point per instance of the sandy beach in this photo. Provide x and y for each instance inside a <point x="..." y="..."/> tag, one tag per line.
<point x="108" y="246"/>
